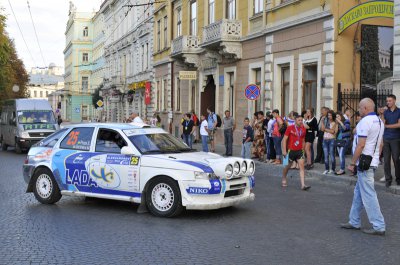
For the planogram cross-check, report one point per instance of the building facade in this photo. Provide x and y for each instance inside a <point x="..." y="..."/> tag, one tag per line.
<point x="206" y="52"/>
<point x="128" y="48"/>
<point x="79" y="65"/>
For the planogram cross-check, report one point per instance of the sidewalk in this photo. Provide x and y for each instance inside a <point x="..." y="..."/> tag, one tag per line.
<point x="317" y="171"/>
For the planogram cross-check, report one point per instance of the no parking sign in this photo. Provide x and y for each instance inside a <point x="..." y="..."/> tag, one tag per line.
<point x="252" y="92"/>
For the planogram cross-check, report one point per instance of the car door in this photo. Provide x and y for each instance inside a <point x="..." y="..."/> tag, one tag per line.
<point x="115" y="174"/>
<point x="70" y="161"/>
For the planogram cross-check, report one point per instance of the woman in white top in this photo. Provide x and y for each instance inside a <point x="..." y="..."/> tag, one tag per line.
<point x="330" y="130"/>
<point x="204" y="133"/>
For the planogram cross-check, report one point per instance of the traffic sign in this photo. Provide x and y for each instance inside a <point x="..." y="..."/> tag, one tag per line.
<point x="252" y="92"/>
<point x="99" y="103"/>
<point x="78" y="110"/>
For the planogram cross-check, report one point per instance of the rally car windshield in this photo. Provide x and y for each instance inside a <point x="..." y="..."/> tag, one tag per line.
<point x="159" y="143"/>
<point x="35" y="116"/>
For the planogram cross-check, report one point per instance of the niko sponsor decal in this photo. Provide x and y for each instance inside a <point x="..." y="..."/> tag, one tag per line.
<point x="214" y="189"/>
<point x="122" y="160"/>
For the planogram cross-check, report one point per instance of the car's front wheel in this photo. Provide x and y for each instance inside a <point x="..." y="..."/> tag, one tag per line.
<point x="45" y="187"/>
<point x="163" y="197"/>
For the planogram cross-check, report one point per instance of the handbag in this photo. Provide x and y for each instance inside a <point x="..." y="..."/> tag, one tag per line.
<point x="341" y="143"/>
<point x="364" y="162"/>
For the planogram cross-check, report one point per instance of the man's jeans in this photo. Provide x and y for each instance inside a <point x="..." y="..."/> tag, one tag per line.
<point x="204" y="143"/>
<point x="228" y="135"/>
<point x="329" y="152"/>
<point x="278" y="146"/>
<point x="365" y="197"/>
<point x="187" y="138"/>
<point x="391" y="150"/>
<point x="246" y="150"/>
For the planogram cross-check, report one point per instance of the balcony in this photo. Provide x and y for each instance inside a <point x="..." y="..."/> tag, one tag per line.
<point x="224" y="36"/>
<point x="187" y="49"/>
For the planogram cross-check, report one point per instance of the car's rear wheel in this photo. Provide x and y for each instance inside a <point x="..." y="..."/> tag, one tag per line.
<point x="45" y="187"/>
<point x="163" y="197"/>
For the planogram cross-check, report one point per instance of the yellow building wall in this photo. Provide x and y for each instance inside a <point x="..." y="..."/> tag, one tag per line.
<point x="165" y="10"/>
<point x="291" y="10"/>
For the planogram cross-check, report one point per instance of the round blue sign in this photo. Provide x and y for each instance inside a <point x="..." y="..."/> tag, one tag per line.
<point x="252" y="92"/>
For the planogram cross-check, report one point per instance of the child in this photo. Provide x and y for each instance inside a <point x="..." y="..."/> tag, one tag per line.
<point x="248" y="136"/>
<point x="204" y="133"/>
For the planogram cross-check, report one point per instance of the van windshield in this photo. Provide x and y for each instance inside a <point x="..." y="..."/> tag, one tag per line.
<point x="35" y="116"/>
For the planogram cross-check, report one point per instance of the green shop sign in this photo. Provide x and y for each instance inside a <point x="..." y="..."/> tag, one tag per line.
<point x="39" y="126"/>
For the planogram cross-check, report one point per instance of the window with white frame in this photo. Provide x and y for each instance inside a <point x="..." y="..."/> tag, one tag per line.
<point x="147" y="56"/>
<point x="178" y="22"/>
<point x="85" y="57"/>
<point x="211" y="11"/>
<point x="231" y="9"/>
<point x="85" y="83"/>
<point x="165" y="107"/>
<point x="165" y="32"/>
<point x="41" y="94"/>
<point x="35" y="93"/>
<point x="142" y="58"/>
<point x="258" y="6"/>
<point x="193" y="18"/>
<point x="85" y="31"/>
<point x="158" y="95"/>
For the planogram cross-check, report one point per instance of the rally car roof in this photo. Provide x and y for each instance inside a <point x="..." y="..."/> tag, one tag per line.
<point x="121" y="126"/>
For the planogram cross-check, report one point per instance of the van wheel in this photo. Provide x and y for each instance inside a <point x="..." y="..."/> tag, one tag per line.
<point x="163" y="197"/>
<point x="45" y="187"/>
<point x="17" y="148"/>
<point x="3" y="145"/>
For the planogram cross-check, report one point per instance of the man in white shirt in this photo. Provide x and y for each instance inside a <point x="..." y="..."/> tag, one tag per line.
<point x="367" y="142"/>
<point x="134" y="118"/>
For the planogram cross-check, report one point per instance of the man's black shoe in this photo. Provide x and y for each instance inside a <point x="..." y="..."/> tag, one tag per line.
<point x="349" y="226"/>
<point x="317" y="161"/>
<point x="388" y="184"/>
<point x="373" y="232"/>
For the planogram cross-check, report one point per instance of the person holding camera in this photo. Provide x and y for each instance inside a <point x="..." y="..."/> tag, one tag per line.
<point x="366" y="149"/>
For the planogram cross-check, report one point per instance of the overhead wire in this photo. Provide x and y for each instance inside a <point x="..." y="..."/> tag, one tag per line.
<point x="34" y="28"/>
<point x="23" y="38"/>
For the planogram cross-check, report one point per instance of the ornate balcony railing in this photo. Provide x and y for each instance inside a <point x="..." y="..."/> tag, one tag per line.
<point x="223" y="30"/>
<point x="185" y="44"/>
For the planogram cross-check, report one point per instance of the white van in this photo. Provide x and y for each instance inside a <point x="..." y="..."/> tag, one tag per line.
<point x="24" y="122"/>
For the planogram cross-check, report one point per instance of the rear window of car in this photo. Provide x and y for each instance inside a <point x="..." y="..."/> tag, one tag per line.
<point x="78" y="139"/>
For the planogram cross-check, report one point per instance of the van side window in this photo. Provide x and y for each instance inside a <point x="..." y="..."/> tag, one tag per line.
<point x="52" y="139"/>
<point x="109" y="141"/>
<point x="78" y="139"/>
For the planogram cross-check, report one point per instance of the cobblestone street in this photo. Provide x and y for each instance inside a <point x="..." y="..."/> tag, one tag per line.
<point x="280" y="227"/>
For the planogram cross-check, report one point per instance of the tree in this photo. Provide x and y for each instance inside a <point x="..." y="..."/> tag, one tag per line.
<point x="12" y="69"/>
<point x="96" y="96"/>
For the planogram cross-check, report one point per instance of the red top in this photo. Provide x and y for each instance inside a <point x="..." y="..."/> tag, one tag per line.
<point x="296" y="136"/>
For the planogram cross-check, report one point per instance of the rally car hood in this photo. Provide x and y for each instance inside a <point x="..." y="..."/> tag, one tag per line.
<point x="196" y="161"/>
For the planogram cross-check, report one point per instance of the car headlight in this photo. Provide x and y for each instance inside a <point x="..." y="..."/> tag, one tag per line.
<point x="228" y="171"/>
<point x="252" y="168"/>
<point x="24" y="135"/>
<point x="202" y="175"/>
<point x="236" y="168"/>
<point x="244" y="167"/>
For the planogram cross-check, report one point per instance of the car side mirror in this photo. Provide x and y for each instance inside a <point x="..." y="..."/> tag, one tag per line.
<point x="126" y="150"/>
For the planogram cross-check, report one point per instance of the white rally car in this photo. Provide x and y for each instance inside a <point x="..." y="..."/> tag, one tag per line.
<point x="136" y="163"/>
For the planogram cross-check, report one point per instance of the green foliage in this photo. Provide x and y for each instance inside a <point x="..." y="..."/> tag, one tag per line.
<point x="96" y="96"/>
<point x="12" y="69"/>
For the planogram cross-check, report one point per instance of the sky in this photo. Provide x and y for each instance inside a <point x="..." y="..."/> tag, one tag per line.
<point x="50" y="18"/>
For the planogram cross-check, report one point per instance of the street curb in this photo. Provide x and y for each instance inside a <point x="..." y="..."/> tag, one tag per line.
<point x="333" y="178"/>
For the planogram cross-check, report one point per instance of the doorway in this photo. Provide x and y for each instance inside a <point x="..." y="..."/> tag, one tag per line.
<point x="208" y="96"/>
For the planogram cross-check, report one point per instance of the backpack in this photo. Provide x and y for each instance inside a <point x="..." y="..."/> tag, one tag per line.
<point x="219" y="121"/>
